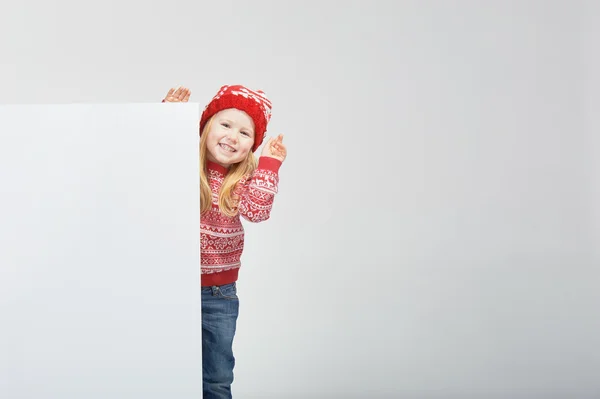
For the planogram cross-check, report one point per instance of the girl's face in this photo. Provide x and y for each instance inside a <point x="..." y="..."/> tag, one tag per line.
<point x="230" y="138"/>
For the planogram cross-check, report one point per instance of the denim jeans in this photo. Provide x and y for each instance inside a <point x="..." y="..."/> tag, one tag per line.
<point x="220" y="306"/>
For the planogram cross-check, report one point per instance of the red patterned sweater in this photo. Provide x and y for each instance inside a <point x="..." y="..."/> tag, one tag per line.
<point x="222" y="237"/>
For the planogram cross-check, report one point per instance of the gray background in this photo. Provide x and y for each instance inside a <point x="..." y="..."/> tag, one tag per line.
<point x="99" y="252"/>
<point x="436" y="231"/>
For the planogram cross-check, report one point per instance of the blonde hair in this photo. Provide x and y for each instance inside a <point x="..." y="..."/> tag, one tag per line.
<point x="228" y="199"/>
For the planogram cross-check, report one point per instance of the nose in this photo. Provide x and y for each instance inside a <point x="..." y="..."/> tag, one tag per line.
<point x="232" y="135"/>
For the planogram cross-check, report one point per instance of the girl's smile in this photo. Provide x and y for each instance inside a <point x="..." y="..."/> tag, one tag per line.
<point x="227" y="148"/>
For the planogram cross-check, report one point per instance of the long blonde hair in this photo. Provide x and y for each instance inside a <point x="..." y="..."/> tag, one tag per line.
<point x="228" y="199"/>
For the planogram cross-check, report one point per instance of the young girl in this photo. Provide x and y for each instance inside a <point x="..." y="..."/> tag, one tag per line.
<point x="233" y="183"/>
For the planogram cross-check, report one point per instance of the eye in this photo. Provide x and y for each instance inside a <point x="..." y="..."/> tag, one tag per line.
<point x="225" y="124"/>
<point x="246" y="134"/>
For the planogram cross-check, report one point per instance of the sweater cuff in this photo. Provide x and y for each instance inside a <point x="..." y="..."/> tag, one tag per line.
<point x="270" y="164"/>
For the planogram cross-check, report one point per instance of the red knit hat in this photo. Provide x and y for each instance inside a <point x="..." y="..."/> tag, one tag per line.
<point x="253" y="102"/>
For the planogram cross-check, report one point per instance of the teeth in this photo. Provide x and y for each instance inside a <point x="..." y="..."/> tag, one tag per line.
<point x="227" y="148"/>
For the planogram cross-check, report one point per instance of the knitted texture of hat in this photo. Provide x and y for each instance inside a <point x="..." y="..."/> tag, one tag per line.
<point x="253" y="102"/>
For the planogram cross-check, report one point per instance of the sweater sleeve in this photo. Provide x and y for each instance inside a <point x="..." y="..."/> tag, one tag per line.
<point x="257" y="193"/>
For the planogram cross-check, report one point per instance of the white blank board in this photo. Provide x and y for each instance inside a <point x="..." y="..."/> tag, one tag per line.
<point x="99" y="256"/>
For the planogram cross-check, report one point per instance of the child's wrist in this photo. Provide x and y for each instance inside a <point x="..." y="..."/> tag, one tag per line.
<point x="269" y="163"/>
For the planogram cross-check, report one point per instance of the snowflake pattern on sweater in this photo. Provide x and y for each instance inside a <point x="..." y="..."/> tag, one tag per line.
<point x="221" y="236"/>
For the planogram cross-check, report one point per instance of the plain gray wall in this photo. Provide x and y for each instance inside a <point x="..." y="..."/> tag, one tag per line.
<point x="591" y="34"/>
<point x="433" y="236"/>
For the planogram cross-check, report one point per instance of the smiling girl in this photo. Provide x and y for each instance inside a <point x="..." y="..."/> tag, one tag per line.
<point x="233" y="185"/>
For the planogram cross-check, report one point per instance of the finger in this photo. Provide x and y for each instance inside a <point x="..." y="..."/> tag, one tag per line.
<point x="187" y="95"/>
<point x="184" y="93"/>
<point x="267" y="147"/>
<point x="169" y="96"/>
<point x="179" y="93"/>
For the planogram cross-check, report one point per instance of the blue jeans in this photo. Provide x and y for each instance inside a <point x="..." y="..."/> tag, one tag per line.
<point x="220" y="306"/>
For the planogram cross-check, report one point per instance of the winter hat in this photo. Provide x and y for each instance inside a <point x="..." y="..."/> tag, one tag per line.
<point x="253" y="102"/>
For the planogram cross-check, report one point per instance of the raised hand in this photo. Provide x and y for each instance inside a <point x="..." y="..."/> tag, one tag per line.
<point x="178" y="95"/>
<point x="275" y="148"/>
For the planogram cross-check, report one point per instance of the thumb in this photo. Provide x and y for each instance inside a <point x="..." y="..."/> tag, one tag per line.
<point x="267" y="146"/>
